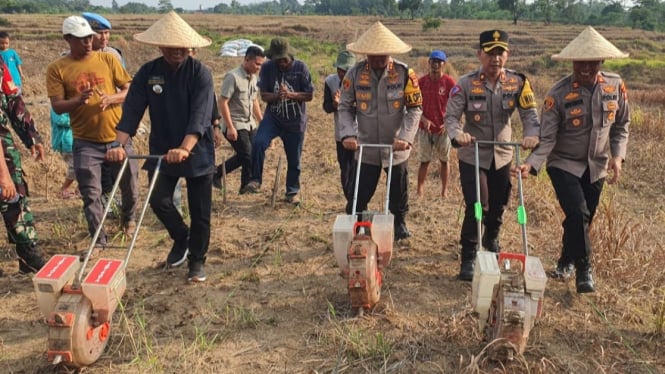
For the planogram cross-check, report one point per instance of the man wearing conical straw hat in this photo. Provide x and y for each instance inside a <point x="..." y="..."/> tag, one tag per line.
<point x="584" y="133"/>
<point x="178" y="91"/>
<point x="383" y="94"/>
<point x="487" y="98"/>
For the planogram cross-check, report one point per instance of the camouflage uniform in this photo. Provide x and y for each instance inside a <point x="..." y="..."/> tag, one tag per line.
<point x="17" y="215"/>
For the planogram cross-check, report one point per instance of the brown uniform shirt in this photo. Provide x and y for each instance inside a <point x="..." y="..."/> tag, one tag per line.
<point x="583" y="127"/>
<point x="487" y="112"/>
<point x="386" y="107"/>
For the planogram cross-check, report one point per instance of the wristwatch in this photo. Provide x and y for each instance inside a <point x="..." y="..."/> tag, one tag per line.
<point x="116" y="144"/>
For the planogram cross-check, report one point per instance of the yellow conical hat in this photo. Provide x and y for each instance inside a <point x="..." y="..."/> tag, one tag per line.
<point x="173" y="32"/>
<point x="589" y="45"/>
<point x="378" y="41"/>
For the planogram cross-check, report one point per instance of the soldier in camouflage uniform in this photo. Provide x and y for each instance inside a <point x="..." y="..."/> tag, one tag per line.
<point x="16" y="212"/>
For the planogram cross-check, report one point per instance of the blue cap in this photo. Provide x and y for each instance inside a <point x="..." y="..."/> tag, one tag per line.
<point x="96" y="21"/>
<point x="435" y="55"/>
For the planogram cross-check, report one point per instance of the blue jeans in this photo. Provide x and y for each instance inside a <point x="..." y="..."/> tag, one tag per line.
<point x="269" y="130"/>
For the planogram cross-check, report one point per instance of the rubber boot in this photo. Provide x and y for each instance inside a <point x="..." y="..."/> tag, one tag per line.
<point x="583" y="277"/>
<point x="467" y="265"/>
<point x="30" y="259"/>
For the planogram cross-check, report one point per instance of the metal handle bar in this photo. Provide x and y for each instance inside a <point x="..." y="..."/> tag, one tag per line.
<point x="521" y="211"/>
<point x="116" y="184"/>
<point x="390" y="174"/>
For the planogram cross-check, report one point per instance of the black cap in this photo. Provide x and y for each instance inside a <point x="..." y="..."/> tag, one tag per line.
<point x="492" y="39"/>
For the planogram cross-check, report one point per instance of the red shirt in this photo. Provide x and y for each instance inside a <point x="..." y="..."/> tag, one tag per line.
<point x="435" y="98"/>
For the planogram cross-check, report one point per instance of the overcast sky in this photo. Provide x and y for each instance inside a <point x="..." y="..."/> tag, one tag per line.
<point x="184" y="4"/>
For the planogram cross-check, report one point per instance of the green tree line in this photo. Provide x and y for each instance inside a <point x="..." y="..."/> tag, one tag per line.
<point x="639" y="14"/>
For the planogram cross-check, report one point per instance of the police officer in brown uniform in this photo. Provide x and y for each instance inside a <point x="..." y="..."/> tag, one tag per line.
<point x="383" y="94"/>
<point x="584" y="134"/>
<point x="487" y="98"/>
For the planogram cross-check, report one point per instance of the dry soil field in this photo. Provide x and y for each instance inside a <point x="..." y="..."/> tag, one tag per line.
<point x="274" y="302"/>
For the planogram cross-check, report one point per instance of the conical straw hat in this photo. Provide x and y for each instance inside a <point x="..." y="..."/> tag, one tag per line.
<point x="378" y="41"/>
<point x="173" y="32"/>
<point x="589" y="45"/>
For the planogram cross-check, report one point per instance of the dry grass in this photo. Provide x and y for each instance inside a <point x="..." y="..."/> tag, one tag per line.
<point x="274" y="302"/>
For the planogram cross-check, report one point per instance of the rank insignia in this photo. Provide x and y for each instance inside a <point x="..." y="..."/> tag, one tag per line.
<point x="571" y="96"/>
<point x="575" y="111"/>
<point x="549" y="104"/>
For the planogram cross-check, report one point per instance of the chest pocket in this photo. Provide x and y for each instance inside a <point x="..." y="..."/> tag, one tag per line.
<point x="509" y="101"/>
<point x="395" y="98"/>
<point x="476" y="110"/>
<point x="576" y="116"/>
<point x="609" y="112"/>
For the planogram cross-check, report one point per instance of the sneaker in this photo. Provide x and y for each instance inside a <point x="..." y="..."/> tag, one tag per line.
<point x="563" y="271"/>
<point x="178" y="253"/>
<point x="253" y="187"/>
<point x="129" y="228"/>
<point x="293" y="198"/>
<point x="196" y="274"/>
<point x="217" y="182"/>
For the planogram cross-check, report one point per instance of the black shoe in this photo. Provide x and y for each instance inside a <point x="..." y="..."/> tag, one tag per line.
<point x="401" y="232"/>
<point x="466" y="270"/>
<point x="563" y="271"/>
<point x="253" y="187"/>
<point x="217" y="182"/>
<point x="30" y="259"/>
<point x="178" y="253"/>
<point x="584" y="281"/>
<point x="196" y="273"/>
<point x="491" y="245"/>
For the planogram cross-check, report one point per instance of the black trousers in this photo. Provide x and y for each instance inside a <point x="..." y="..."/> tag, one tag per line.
<point x="369" y="178"/>
<point x="199" y="199"/>
<point x="347" y="166"/>
<point x="242" y="158"/>
<point x="578" y="198"/>
<point x="495" y="190"/>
